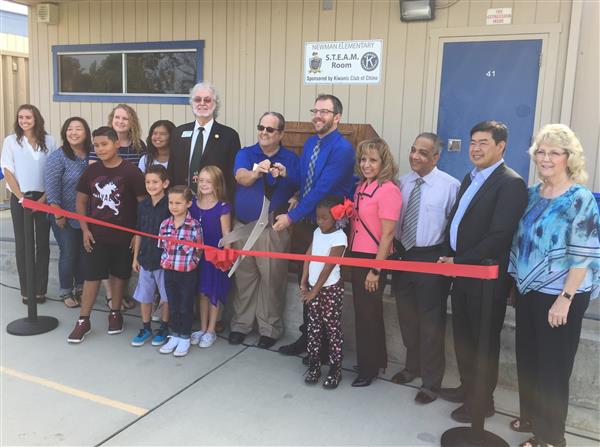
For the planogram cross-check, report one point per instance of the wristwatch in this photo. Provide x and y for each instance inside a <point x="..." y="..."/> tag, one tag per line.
<point x="375" y="271"/>
<point x="566" y="295"/>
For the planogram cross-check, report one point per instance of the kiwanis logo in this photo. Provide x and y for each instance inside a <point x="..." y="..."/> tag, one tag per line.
<point x="369" y="61"/>
<point x="315" y="63"/>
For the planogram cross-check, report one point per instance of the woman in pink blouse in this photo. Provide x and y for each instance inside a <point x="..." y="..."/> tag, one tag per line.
<point x="377" y="202"/>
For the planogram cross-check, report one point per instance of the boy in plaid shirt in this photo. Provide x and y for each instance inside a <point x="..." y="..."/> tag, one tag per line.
<point x="179" y="262"/>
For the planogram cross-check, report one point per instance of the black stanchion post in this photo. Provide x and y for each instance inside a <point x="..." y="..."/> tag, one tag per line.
<point x="32" y="325"/>
<point x="476" y="435"/>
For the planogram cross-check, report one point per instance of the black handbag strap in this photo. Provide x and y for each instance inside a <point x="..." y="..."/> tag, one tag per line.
<point x="369" y="231"/>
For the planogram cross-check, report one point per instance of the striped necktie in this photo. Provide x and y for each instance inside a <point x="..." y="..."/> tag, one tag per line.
<point x="411" y="218"/>
<point x="311" y="168"/>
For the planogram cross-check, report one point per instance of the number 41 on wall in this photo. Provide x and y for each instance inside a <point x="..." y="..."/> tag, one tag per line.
<point x="491" y="74"/>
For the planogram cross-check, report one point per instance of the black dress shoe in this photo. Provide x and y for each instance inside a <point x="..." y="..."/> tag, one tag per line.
<point x="296" y="348"/>
<point x="425" y="397"/>
<point x="236" y="338"/>
<point x="404" y="376"/>
<point x="265" y="342"/>
<point x="456" y="395"/>
<point x="463" y="414"/>
<point x="362" y="381"/>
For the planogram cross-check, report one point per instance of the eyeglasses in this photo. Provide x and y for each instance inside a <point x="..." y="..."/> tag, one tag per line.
<point x="199" y="100"/>
<point x="321" y="111"/>
<point x="268" y="129"/>
<point x="552" y="155"/>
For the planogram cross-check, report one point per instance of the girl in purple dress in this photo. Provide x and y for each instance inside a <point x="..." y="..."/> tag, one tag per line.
<point x="214" y="215"/>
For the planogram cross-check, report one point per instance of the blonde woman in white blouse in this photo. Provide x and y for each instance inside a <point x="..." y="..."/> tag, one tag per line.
<point x="23" y="162"/>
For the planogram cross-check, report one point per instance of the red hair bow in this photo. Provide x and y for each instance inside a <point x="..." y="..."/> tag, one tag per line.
<point x="342" y="210"/>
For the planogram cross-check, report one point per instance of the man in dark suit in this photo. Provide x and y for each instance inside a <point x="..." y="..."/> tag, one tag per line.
<point x="203" y="142"/>
<point x="490" y="203"/>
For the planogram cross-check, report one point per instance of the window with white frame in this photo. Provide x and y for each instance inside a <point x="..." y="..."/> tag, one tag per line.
<point x="148" y="72"/>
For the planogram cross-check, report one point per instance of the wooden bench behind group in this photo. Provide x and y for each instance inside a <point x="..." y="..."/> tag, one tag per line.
<point x="297" y="132"/>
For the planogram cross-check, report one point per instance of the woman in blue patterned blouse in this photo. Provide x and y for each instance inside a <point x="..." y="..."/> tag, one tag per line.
<point x="555" y="261"/>
<point x="63" y="170"/>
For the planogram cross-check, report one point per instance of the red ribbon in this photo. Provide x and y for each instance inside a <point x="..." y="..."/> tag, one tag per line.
<point x="342" y="209"/>
<point x="226" y="256"/>
<point x="222" y="259"/>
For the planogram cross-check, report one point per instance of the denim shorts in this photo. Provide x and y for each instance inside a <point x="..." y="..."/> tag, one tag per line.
<point x="149" y="281"/>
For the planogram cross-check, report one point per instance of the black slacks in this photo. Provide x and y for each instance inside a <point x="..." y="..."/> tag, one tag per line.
<point x="41" y="230"/>
<point x="371" y="353"/>
<point x="466" y="299"/>
<point x="421" y="303"/>
<point x="545" y="358"/>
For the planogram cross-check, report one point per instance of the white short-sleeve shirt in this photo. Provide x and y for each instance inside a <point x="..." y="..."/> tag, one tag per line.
<point x="142" y="164"/>
<point x="25" y="163"/>
<point x="321" y="246"/>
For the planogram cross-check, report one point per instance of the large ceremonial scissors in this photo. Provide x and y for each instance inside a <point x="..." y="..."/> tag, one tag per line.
<point x="252" y="230"/>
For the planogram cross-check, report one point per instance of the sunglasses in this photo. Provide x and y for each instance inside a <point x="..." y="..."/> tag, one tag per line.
<point x="268" y="129"/>
<point x="198" y="100"/>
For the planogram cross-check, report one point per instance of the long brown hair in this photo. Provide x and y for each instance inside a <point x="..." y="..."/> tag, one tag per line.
<point x="152" y="152"/>
<point x="38" y="127"/>
<point x="135" y="134"/>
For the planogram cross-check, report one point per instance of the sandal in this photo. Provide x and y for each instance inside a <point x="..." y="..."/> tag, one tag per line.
<point x="70" y="301"/>
<point x="521" y="426"/>
<point x="535" y="442"/>
<point x="127" y="303"/>
<point x="531" y="442"/>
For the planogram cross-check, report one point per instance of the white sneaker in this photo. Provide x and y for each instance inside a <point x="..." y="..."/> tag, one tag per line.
<point x="182" y="347"/>
<point x="170" y="346"/>
<point x="196" y="336"/>
<point x="207" y="340"/>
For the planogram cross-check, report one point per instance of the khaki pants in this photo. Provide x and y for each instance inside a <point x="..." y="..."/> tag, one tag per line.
<point x="261" y="285"/>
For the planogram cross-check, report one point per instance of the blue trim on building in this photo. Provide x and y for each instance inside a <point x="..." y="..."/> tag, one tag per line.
<point x="198" y="45"/>
<point x="13" y="23"/>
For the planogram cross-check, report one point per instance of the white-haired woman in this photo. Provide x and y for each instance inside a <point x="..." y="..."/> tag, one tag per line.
<point x="555" y="261"/>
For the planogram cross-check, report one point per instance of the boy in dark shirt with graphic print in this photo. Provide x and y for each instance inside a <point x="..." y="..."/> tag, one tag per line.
<point x="108" y="190"/>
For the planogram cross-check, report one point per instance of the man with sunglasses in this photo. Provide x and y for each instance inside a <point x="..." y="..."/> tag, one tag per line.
<point x="203" y="142"/>
<point x="266" y="169"/>
<point x="326" y="168"/>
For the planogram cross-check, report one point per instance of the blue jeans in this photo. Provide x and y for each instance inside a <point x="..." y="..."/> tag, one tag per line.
<point x="70" y="261"/>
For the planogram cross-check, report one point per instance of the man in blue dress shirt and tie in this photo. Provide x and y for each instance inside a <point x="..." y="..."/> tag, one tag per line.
<point x="326" y="168"/>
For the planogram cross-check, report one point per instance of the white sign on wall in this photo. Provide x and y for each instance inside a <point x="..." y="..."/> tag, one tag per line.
<point x="499" y="16"/>
<point x="343" y="62"/>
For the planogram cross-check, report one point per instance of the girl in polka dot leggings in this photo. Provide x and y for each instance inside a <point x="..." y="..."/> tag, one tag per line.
<point x="322" y="289"/>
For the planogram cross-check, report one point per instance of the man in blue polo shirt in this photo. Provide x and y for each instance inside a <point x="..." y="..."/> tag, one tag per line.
<point x="326" y="168"/>
<point x="261" y="282"/>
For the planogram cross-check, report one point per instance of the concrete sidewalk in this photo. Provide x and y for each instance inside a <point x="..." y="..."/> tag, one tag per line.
<point x="104" y="391"/>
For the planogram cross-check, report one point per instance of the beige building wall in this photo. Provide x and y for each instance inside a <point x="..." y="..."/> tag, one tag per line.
<point x="14" y="85"/>
<point x="14" y="78"/>
<point x="254" y="50"/>
<point x="585" y="116"/>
